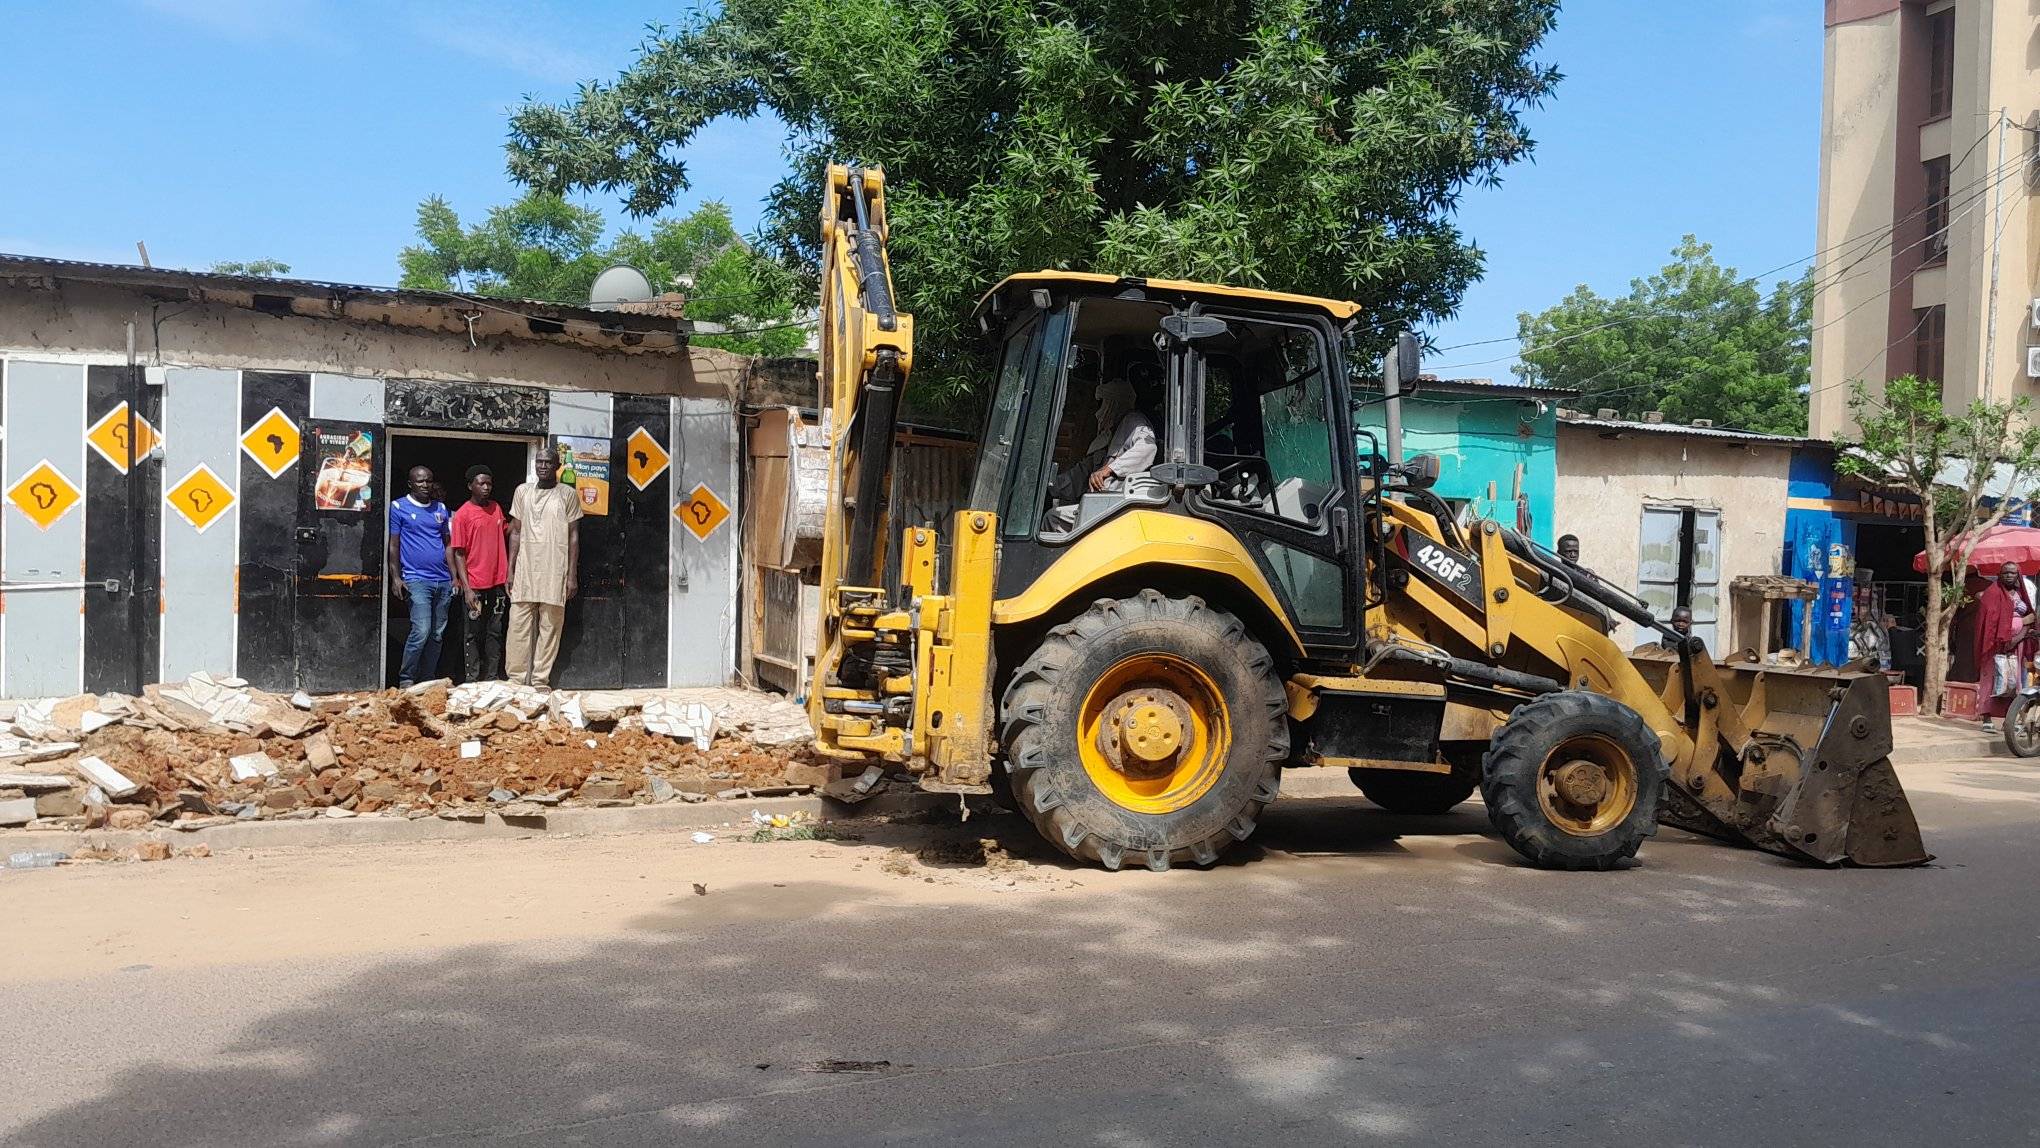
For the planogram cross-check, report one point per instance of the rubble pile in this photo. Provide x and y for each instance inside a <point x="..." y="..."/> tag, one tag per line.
<point x="209" y="751"/>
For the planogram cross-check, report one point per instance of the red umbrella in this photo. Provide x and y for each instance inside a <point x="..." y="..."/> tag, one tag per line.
<point x="2000" y="544"/>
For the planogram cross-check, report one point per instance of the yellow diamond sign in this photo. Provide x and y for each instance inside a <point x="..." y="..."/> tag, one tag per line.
<point x="644" y="458"/>
<point x="43" y="494"/>
<point x="109" y="437"/>
<point x="273" y="442"/>
<point x="702" y="512"/>
<point x="200" y="498"/>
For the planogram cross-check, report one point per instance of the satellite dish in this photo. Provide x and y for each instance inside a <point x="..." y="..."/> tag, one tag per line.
<point x="619" y="285"/>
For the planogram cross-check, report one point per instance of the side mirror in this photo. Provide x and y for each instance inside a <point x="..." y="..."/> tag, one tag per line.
<point x="1409" y="355"/>
<point x="1421" y="470"/>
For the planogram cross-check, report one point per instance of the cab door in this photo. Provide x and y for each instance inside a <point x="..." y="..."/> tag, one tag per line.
<point x="1267" y="414"/>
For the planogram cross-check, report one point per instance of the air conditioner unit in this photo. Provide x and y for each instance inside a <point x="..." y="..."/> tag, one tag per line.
<point x="2033" y="362"/>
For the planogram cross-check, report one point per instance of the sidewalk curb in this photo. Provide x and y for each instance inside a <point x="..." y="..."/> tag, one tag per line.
<point x="318" y="832"/>
<point x="372" y="830"/>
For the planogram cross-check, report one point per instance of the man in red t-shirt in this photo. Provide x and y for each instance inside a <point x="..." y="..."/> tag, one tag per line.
<point x="481" y="560"/>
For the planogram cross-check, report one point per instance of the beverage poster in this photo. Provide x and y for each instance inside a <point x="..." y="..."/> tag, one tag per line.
<point x="346" y="474"/>
<point x="584" y="464"/>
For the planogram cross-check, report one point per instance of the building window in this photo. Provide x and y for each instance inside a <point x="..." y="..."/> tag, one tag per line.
<point x="1937" y="211"/>
<point x="1679" y="564"/>
<point x="1940" y="63"/>
<point x="1930" y="342"/>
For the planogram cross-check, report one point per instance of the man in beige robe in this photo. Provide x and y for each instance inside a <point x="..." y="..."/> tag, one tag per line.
<point x="545" y="550"/>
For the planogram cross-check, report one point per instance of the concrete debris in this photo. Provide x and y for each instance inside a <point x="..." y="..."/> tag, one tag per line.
<point x="319" y="752"/>
<point x="423" y="688"/>
<point x="210" y="750"/>
<point x="34" y="782"/>
<point x="689" y="721"/>
<point x="566" y="707"/>
<point x="152" y="851"/>
<point x="22" y="751"/>
<point x="112" y="781"/>
<point x="32" y="719"/>
<point x="17" y="811"/>
<point x="252" y="765"/>
<point x="129" y="817"/>
<point x="64" y="803"/>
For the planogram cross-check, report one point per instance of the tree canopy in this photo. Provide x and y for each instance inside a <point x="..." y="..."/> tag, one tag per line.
<point x="544" y="247"/>
<point x="1295" y="145"/>
<point x="1969" y="468"/>
<point x="1693" y="340"/>
<point x="260" y="268"/>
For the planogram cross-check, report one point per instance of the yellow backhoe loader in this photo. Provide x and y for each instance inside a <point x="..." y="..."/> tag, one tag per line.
<point x="1183" y="570"/>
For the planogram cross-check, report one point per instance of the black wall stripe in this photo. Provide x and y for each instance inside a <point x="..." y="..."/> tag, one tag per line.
<point x="123" y="523"/>
<point x="647" y="552"/>
<point x="266" y="648"/>
<point x="338" y="593"/>
<point x="591" y="646"/>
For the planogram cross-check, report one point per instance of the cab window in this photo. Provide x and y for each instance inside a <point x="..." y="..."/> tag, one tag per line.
<point x="1267" y="421"/>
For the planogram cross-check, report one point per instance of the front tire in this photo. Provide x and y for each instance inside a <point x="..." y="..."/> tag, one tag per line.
<point x="1148" y="729"/>
<point x="1572" y="781"/>
<point x="2022" y="725"/>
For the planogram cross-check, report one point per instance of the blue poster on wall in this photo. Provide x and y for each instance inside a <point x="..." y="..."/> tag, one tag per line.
<point x="1823" y="555"/>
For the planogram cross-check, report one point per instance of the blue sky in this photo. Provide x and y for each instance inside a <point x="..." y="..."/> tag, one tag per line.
<point x="308" y="130"/>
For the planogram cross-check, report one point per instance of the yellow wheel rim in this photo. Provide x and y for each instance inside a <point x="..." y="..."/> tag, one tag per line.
<point x="1587" y="785"/>
<point x="1153" y="733"/>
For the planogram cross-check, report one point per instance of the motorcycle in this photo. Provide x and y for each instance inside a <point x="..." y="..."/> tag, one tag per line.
<point x="2022" y="723"/>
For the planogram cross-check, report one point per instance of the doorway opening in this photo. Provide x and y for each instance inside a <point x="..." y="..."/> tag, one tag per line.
<point x="448" y="455"/>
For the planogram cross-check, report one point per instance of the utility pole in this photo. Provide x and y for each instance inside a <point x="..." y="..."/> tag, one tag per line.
<point x="1997" y="191"/>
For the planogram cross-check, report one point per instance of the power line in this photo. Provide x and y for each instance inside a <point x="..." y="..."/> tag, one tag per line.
<point x="1869" y="242"/>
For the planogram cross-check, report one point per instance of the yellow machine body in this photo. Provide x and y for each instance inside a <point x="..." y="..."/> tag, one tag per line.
<point x="1461" y="623"/>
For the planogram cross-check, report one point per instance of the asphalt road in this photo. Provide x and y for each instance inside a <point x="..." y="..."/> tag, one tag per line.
<point x="1358" y="978"/>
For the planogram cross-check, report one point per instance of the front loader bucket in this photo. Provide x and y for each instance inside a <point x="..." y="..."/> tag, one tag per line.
<point x="1794" y="762"/>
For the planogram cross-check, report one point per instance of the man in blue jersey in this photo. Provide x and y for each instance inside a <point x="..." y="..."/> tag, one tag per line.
<point x="421" y="570"/>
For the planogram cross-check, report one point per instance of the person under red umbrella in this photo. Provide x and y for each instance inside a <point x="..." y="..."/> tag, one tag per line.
<point x="2004" y="630"/>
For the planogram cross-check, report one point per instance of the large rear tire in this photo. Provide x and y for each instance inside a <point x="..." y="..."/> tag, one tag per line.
<point x="1420" y="793"/>
<point x="1148" y="730"/>
<point x="1572" y="781"/>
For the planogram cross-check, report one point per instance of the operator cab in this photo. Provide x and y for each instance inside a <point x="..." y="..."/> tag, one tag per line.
<point x="1110" y="399"/>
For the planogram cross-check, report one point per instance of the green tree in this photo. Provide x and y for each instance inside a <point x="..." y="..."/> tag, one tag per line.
<point x="1966" y="468"/>
<point x="260" y="268"/>
<point x="538" y="247"/>
<point x="1291" y="144"/>
<point x="725" y="280"/>
<point x="1694" y="341"/>
<point x="543" y="247"/>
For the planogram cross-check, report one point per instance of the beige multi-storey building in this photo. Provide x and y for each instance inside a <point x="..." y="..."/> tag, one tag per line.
<point x="1930" y="117"/>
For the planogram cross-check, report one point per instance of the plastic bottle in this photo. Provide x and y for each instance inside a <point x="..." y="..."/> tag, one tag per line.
<point x="36" y="859"/>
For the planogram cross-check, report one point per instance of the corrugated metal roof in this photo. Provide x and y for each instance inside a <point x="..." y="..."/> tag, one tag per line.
<point x="132" y="275"/>
<point x="1505" y="389"/>
<point x="1623" y="426"/>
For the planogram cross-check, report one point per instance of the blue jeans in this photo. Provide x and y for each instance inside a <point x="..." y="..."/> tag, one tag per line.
<point x="429" y="601"/>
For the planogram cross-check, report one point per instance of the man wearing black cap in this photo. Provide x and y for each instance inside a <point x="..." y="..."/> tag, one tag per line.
<point x="482" y="558"/>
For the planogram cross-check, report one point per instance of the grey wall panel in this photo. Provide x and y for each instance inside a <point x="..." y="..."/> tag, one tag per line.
<point x="344" y="398"/>
<point x="581" y="413"/>
<point x="702" y="626"/>
<point x="44" y="629"/>
<point x="201" y="427"/>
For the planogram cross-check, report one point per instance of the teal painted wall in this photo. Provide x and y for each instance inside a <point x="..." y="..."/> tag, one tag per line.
<point x="1480" y="441"/>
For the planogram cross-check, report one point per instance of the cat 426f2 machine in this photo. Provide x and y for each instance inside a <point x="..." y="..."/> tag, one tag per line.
<point x="1132" y="656"/>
